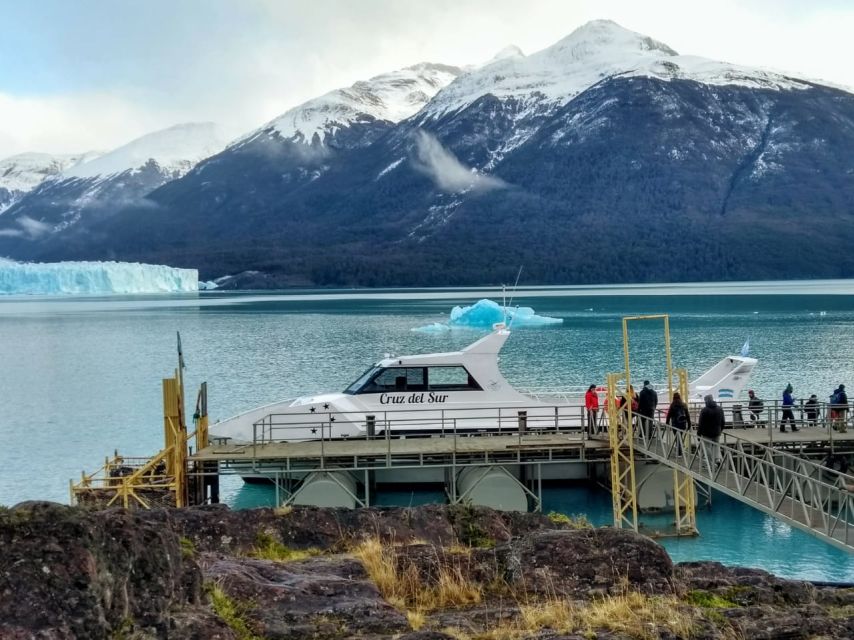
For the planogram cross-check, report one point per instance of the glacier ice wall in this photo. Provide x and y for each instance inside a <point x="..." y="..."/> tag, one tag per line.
<point x="34" y="278"/>
<point x="485" y="313"/>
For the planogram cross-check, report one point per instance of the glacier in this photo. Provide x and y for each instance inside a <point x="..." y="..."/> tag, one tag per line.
<point x="484" y="313"/>
<point x="34" y="278"/>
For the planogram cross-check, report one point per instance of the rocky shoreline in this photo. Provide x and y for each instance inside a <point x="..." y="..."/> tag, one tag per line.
<point x="427" y="573"/>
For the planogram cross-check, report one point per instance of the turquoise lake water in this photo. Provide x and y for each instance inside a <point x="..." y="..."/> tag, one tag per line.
<point x="80" y="377"/>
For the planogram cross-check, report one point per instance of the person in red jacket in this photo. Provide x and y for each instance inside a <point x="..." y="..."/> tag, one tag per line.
<point x="591" y="406"/>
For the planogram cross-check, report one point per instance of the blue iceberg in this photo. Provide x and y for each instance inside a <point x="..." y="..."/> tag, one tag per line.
<point x="484" y="314"/>
<point x="92" y="278"/>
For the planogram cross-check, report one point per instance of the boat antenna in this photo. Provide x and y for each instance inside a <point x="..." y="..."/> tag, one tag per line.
<point x="515" y="284"/>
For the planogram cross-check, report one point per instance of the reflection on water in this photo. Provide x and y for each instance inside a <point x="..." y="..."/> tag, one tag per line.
<point x="81" y="377"/>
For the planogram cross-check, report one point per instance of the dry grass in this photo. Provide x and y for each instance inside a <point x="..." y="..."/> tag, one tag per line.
<point x="633" y="614"/>
<point x="416" y="619"/>
<point x="405" y="587"/>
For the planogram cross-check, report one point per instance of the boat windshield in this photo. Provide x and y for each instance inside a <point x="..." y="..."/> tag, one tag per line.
<point x="430" y="378"/>
<point x="361" y="380"/>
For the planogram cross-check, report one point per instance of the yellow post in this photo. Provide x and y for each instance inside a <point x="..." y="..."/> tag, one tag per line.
<point x="171" y="419"/>
<point x="684" y="496"/>
<point x="202" y="421"/>
<point x="175" y="438"/>
<point x="623" y="488"/>
<point x="667" y="355"/>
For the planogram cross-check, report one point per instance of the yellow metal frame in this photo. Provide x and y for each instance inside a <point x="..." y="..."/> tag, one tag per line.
<point x="684" y="496"/>
<point x="666" y="319"/>
<point x="623" y="488"/>
<point x="162" y="474"/>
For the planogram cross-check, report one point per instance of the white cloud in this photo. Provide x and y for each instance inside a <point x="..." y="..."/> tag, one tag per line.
<point x="446" y="171"/>
<point x="244" y="63"/>
<point x="33" y="228"/>
<point x="71" y="123"/>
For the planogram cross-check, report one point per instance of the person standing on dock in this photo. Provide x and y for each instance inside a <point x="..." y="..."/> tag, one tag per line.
<point x="756" y="406"/>
<point x="710" y="425"/>
<point x="647" y="402"/>
<point x="788" y="406"/>
<point x="811" y="410"/>
<point x="591" y="406"/>
<point x="839" y="409"/>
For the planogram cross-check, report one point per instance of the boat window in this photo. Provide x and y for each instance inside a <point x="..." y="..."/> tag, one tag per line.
<point x="396" y="379"/>
<point x="361" y="380"/>
<point x="451" y="379"/>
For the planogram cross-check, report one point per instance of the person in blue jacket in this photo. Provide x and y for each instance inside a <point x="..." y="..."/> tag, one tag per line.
<point x="788" y="414"/>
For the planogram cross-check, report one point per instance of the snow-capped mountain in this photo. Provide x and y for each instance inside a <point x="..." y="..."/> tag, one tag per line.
<point x="389" y="97"/>
<point x="596" y="51"/>
<point x="104" y="183"/>
<point x="606" y="157"/>
<point x="25" y="171"/>
<point x="175" y="151"/>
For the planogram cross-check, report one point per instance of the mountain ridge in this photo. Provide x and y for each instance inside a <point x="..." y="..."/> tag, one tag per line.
<point x="720" y="168"/>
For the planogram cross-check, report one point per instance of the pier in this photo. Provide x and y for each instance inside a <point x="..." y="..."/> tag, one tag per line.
<point x="500" y="457"/>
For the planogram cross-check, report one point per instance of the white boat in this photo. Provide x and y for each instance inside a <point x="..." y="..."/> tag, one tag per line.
<point x="460" y="391"/>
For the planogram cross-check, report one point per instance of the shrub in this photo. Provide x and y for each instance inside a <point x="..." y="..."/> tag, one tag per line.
<point x="268" y="548"/>
<point x="575" y="521"/>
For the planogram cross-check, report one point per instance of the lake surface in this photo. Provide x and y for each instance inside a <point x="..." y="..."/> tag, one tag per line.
<point x="80" y="377"/>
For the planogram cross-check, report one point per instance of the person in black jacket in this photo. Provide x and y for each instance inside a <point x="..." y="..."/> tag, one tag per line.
<point x="679" y="416"/>
<point x="647" y="402"/>
<point x="811" y="410"/>
<point x="756" y="407"/>
<point x="710" y="425"/>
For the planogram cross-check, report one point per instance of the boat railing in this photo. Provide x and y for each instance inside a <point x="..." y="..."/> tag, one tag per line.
<point x="411" y="423"/>
<point x="522" y="420"/>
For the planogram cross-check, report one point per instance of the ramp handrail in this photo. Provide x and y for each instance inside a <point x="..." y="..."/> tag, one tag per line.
<point x="800" y="492"/>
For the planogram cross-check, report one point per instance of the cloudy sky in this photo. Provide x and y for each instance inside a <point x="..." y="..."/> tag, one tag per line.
<point x="94" y="74"/>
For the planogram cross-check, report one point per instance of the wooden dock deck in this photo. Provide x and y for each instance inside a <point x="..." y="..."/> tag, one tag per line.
<point x="491" y="445"/>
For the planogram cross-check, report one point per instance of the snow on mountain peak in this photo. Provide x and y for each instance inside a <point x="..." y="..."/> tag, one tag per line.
<point x="175" y="150"/>
<point x="390" y="96"/>
<point x="510" y="51"/>
<point x="593" y="52"/>
<point x="601" y="37"/>
<point x="25" y="171"/>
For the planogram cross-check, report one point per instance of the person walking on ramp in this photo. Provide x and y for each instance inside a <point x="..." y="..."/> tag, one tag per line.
<point x="679" y="417"/>
<point x="647" y="402"/>
<point x="710" y="425"/>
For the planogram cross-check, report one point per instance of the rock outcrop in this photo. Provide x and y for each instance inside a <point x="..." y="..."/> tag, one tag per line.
<point x="428" y="573"/>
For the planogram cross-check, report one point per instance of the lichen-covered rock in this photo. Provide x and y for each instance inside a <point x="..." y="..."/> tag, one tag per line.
<point x="328" y="597"/>
<point x="68" y="573"/>
<point x="217" y="529"/>
<point x="745" y="586"/>
<point x="586" y="562"/>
